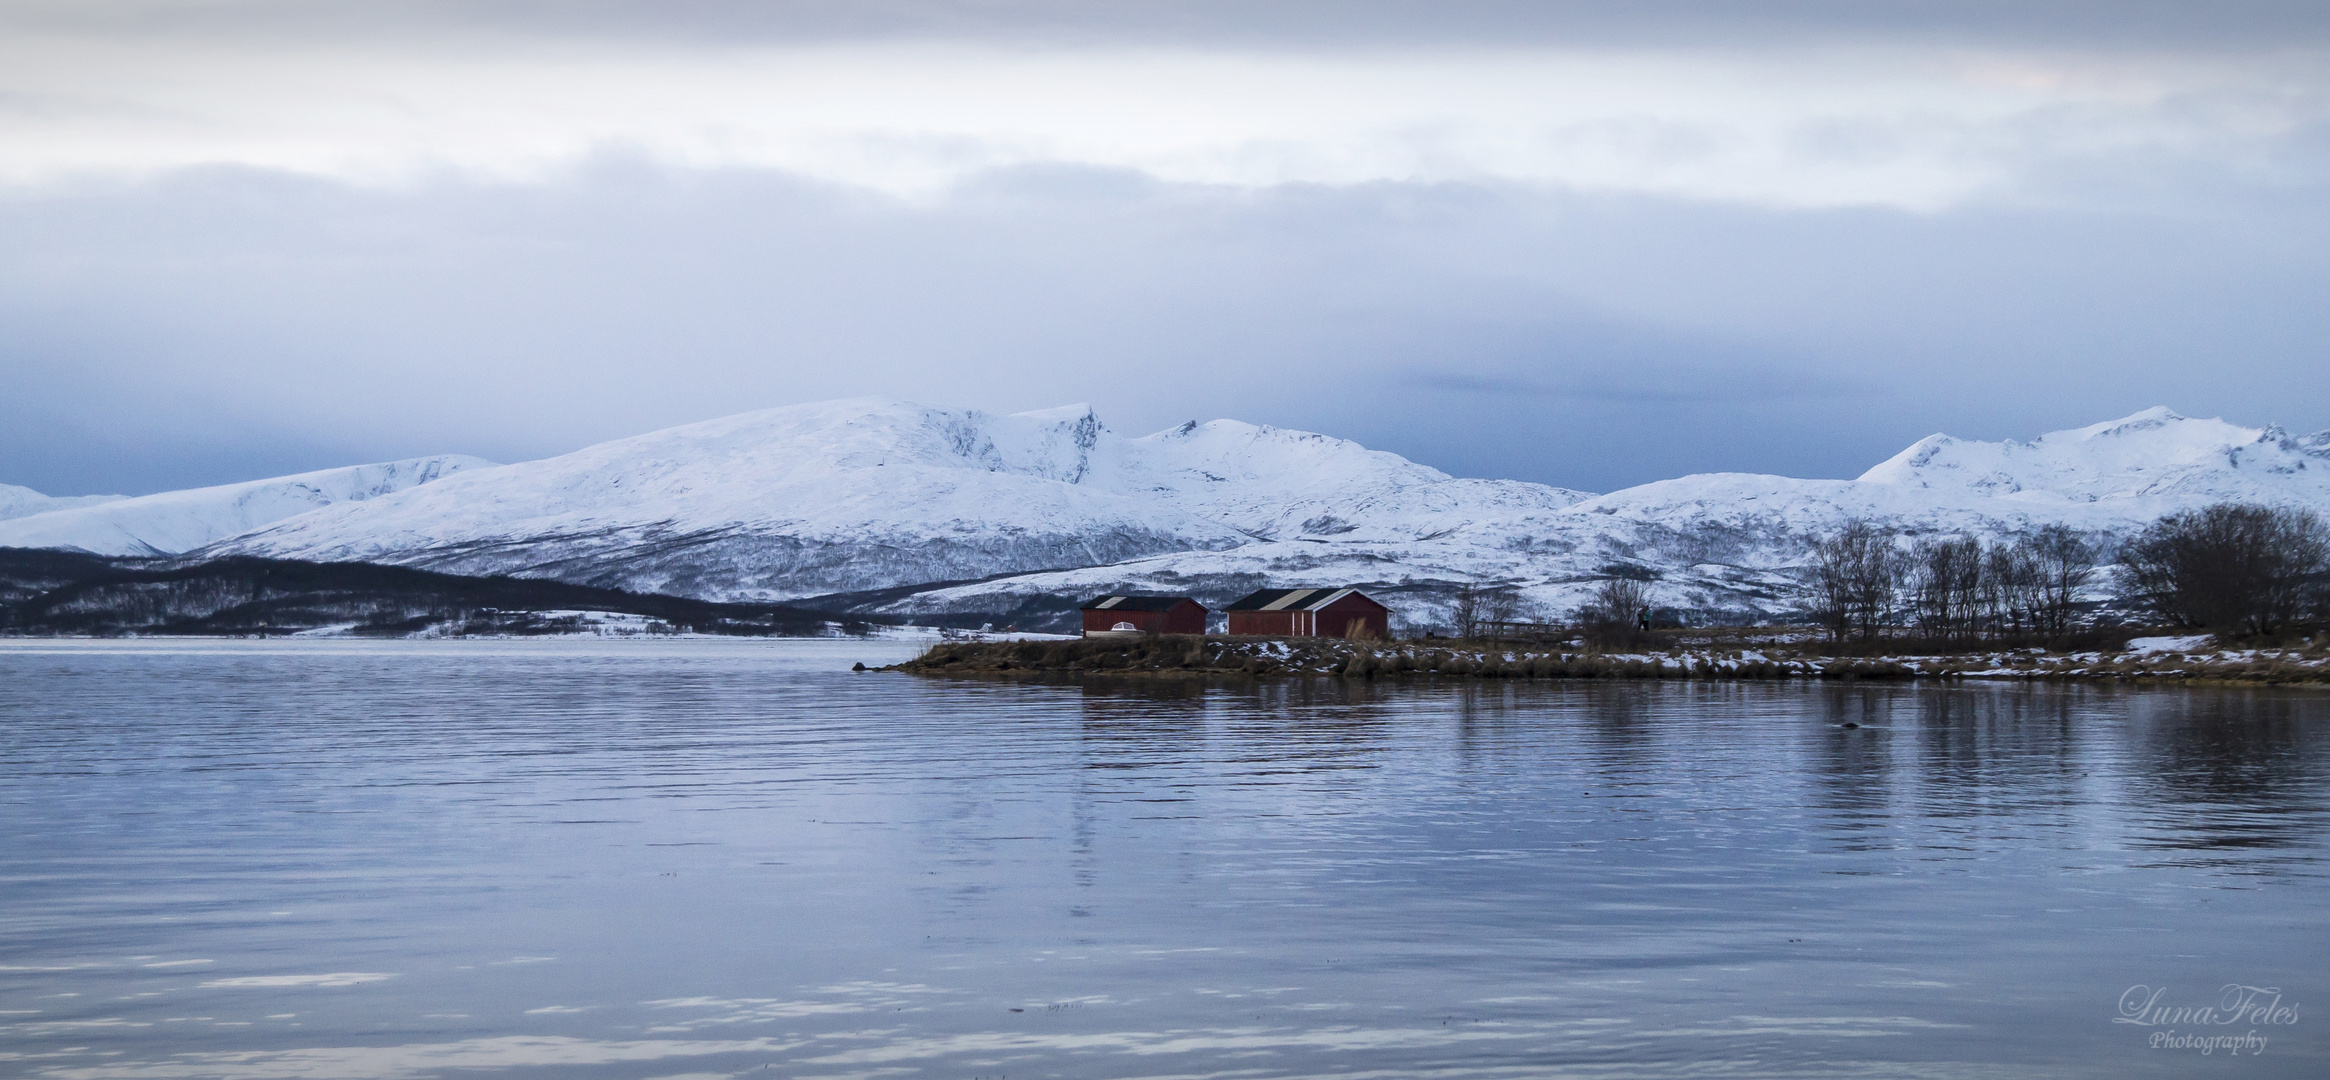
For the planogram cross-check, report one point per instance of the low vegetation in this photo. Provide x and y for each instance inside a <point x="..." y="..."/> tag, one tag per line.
<point x="1865" y="585"/>
<point x="2244" y="570"/>
<point x="1617" y="617"/>
<point x="1686" y="655"/>
<point x="2243" y="573"/>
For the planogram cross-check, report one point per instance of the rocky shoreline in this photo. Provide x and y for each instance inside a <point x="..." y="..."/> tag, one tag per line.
<point x="1171" y="656"/>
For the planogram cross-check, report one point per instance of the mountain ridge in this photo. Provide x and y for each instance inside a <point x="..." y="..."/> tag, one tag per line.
<point x="911" y="508"/>
<point x="19" y="502"/>
<point x="172" y="522"/>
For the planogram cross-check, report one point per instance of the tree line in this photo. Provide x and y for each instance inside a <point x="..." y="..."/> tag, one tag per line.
<point x="1610" y="618"/>
<point x="2230" y="568"/>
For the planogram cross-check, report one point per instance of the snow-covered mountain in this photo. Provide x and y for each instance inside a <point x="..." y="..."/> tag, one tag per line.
<point x="177" y="521"/>
<point x="2154" y="454"/>
<point x="16" y="502"/>
<point x="1733" y="542"/>
<point x="909" y="509"/>
<point x="872" y="494"/>
<point x="2108" y="477"/>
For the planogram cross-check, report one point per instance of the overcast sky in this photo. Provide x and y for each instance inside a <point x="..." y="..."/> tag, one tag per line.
<point x="1587" y="244"/>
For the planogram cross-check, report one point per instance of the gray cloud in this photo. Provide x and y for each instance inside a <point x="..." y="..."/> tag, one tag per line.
<point x="1653" y="382"/>
<point x="221" y="324"/>
<point x="1275" y="24"/>
<point x="1903" y="120"/>
<point x="247" y="237"/>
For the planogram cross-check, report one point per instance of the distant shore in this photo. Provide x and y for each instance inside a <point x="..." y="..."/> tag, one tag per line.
<point x="2157" y="659"/>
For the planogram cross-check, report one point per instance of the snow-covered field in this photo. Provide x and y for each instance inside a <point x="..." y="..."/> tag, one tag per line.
<point x="914" y="509"/>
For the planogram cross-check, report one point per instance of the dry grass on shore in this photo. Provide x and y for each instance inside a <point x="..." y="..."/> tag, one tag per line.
<point x="1184" y="655"/>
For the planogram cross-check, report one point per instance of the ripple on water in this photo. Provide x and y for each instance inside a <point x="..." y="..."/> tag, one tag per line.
<point x="623" y="859"/>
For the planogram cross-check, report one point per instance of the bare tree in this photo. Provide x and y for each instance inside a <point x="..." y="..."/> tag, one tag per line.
<point x="2061" y="562"/>
<point x="2010" y="589"/>
<point x="1945" y="586"/>
<point x="1613" y="615"/>
<point x="1854" y="574"/>
<point x="1464" y="616"/>
<point x="1501" y="605"/>
<point x="1476" y="607"/>
<point x="2231" y="568"/>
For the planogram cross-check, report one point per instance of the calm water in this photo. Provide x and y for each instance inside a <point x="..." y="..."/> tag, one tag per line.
<point x="738" y="859"/>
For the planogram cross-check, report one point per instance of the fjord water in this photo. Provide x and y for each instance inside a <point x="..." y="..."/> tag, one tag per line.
<point x="694" y="858"/>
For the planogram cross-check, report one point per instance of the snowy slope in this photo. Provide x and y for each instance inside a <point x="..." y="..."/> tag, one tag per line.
<point x="1732" y="541"/>
<point x="2154" y="454"/>
<point x="873" y="493"/>
<point x="772" y="504"/>
<point x="868" y="495"/>
<point x="176" y="521"/>
<point x="2110" y="477"/>
<point x="16" y="502"/>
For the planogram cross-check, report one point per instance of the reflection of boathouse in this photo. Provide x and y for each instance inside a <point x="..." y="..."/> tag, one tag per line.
<point x="1310" y="613"/>
<point x="1106" y="615"/>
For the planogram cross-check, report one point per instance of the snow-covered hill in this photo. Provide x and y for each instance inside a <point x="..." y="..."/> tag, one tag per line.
<point x="16" y="502"/>
<point x="873" y="493"/>
<point x="2108" y="477"/>
<point x="2154" y="454"/>
<point x="908" y="508"/>
<point x="176" y="521"/>
<point x="1732" y="541"/>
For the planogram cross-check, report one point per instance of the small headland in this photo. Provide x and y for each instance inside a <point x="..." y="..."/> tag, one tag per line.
<point x="1186" y="656"/>
<point x="69" y="594"/>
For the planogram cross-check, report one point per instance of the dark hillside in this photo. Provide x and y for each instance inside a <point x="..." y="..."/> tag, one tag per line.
<point x="28" y="572"/>
<point x="60" y="593"/>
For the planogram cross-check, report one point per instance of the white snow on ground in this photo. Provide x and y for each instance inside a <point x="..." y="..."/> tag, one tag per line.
<point x="1321" y="656"/>
<point x="176" y="521"/>
<point x="2186" y="644"/>
<point x="874" y="494"/>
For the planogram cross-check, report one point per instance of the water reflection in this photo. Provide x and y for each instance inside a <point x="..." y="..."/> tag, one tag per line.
<point x="1619" y="723"/>
<point x="2234" y="769"/>
<point x="645" y="862"/>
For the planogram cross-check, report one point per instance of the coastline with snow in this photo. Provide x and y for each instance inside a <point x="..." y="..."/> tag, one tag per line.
<point x="2186" y="660"/>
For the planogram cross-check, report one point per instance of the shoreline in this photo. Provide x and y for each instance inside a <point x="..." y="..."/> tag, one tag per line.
<point x="1183" y="657"/>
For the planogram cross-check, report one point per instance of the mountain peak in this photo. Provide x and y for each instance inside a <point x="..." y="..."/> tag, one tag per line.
<point x="2156" y="418"/>
<point x="1062" y="414"/>
<point x="21" y="502"/>
<point x="2153" y="453"/>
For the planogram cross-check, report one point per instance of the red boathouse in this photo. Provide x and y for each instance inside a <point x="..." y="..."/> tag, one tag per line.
<point x="1310" y="613"/>
<point x="1105" y="615"/>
